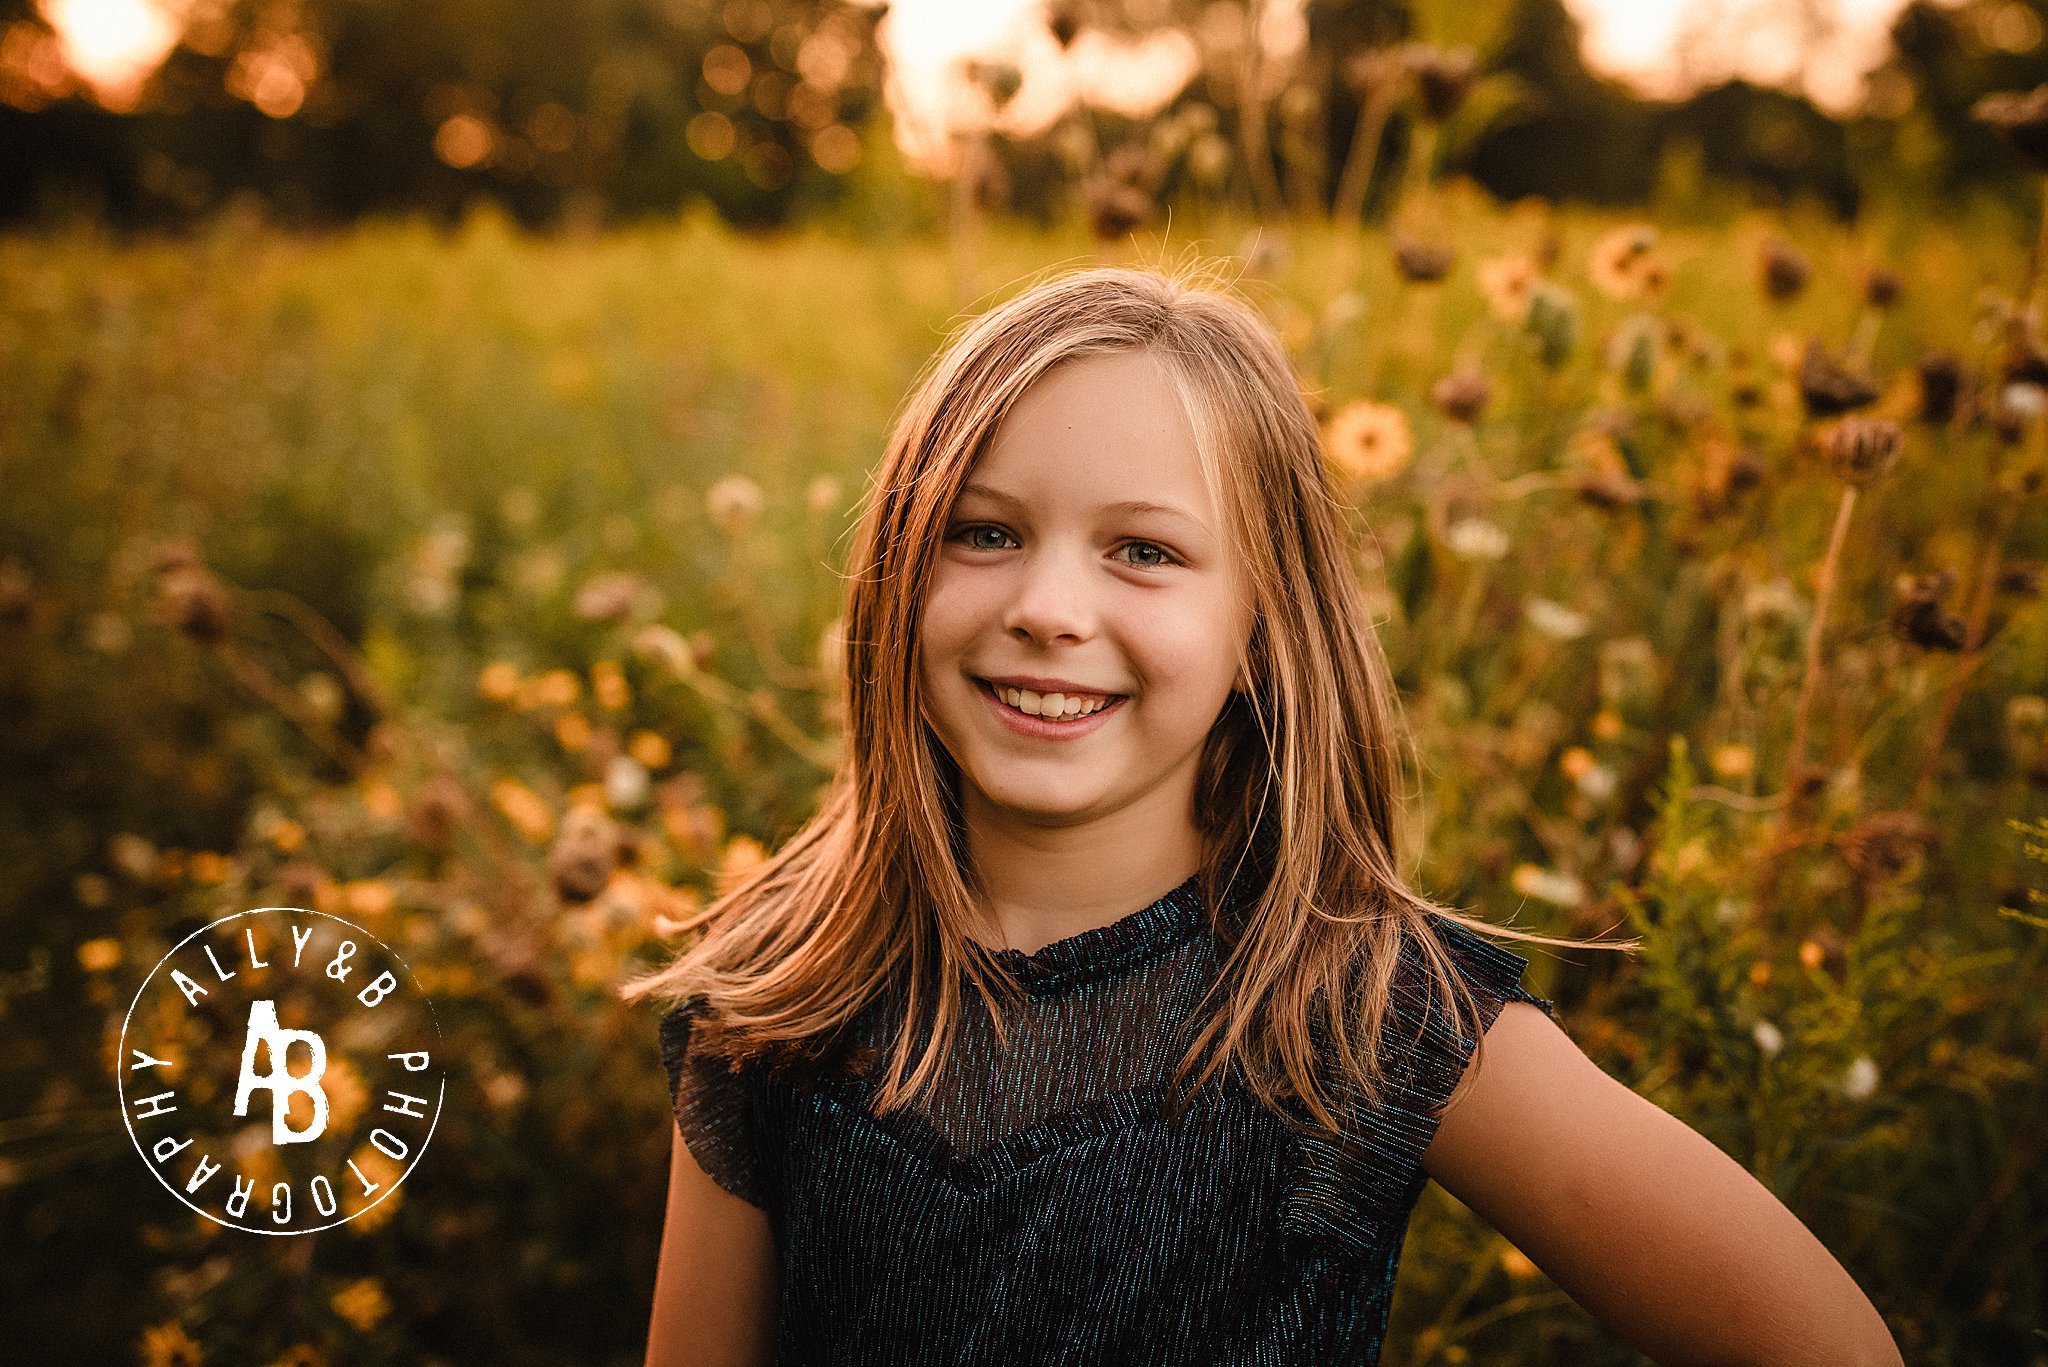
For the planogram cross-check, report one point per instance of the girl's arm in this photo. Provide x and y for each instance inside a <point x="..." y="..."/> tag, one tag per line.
<point x="1661" y="1236"/>
<point x="715" y="1285"/>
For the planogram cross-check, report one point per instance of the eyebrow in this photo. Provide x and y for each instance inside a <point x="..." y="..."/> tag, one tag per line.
<point x="1132" y="506"/>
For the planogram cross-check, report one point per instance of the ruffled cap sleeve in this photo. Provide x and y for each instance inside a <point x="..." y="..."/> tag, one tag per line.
<point x="714" y="1108"/>
<point x="1357" y="1189"/>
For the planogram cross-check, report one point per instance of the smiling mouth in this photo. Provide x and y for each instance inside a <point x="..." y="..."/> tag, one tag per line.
<point x="1066" y="714"/>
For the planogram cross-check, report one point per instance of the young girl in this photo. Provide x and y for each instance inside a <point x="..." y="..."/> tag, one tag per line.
<point x="1090" y="1020"/>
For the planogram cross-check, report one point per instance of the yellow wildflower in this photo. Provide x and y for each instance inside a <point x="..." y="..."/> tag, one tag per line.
<point x="368" y="897"/>
<point x="572" y="731"/>
<point x="556" y="688"/>
<point x="1506" y="282"/>
<point x="362" y="1303"/>
<point x="382" y="801"/>
<point x="206" y="866"/>
<point x="1516" y="1263"/>
<point x="651" y="748"/>
<point x="498" y="681"/>
<point x="524" y="808"/>
<point x="168" y="1345"/>
<point x="1732" y="760"/>
<point x="741" y="854"/>
<point x="1624" y="264"/>
<point x="1369" y="441"/>
<point x="608" y="682"/>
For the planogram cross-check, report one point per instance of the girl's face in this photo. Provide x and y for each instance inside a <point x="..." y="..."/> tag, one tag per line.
<point x="1050" y="568"/>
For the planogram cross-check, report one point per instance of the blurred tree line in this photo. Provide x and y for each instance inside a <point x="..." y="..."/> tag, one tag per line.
<point x="604" y="109"/>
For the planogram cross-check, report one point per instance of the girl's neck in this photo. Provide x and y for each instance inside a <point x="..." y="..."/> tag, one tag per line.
<point x="1028" y="908"/>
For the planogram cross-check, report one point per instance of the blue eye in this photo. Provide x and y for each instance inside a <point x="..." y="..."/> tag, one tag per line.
<point x="968" y="532"/>
<point x="1166" y="556"/>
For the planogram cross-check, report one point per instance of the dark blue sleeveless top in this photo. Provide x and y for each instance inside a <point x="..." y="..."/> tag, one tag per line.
<point x="1037" y="1207"/>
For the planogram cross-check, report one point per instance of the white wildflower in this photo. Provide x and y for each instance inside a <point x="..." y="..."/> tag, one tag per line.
<point x="625" y="783"/>
<point x="2027" y="400"/>
<point x="1557" y="620"/>
<point x="1860" y="1082"/>
<point x="1769" y="1039"/>
<point x="1474" y="538"/>
<point x="1597" y="781"/>
<point x="733" y="503"/>
<point x="1551" y="885"/>
<point x="1774" y="598"/>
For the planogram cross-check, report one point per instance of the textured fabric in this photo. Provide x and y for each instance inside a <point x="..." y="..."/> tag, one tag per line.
<point x="1038" y="1208"/>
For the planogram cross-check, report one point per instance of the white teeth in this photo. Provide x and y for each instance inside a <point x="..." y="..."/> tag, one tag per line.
<point x="1053" y="705"/>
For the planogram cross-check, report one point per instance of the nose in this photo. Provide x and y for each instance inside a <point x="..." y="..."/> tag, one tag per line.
<point x="1051" y="597"/>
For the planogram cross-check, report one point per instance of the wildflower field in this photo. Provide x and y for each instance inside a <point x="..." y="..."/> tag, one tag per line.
<point x="482" y="588"/>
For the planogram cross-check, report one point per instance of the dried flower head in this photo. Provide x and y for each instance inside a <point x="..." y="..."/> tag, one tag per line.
<point x="1423" y="262"/>
<point x="999" y="80"/>
<point x="2022" y="578"/>
<point x="1621" y="266"/>
<point x="2026" y="362"/>
<point x="1861" y="450"/>
<point x="1881" y="288"/>
<point x="590" y="848"/>
<point x="1919" y="616"/>
<point x="1115" y="207"/>
<point x="1604" y="489"/>
<point x="2022" y="116"/>
<point x="1369" y="441"/>
<point x="1443" y="78"/>
<point x="1941" y="384"/>
<point x="1785" y="270"/>
<point x="1063" y="17"/>
<point x="1462" y="395"/>
<point x="1882" y="844"/>
<point x="1829" y="387"/>
<point x="189" y="598"/>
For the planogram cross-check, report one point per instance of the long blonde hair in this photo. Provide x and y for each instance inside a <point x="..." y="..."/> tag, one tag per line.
<point x="1297" y="778"/>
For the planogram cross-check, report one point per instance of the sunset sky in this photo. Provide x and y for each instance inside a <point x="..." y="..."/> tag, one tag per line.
<point x="1662" y="47"/>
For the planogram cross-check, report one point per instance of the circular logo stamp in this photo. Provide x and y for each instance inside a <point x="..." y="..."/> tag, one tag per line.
<point x="279" y="1071"/>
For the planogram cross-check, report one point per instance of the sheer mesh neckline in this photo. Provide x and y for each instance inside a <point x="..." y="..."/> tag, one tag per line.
<point x="1104" y="951"/>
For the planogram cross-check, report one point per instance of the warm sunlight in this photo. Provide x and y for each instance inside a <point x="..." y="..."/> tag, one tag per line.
<point x="113" y="44"/>
<point x="1822" y="47"/>
<point x="1661" y="47"/>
